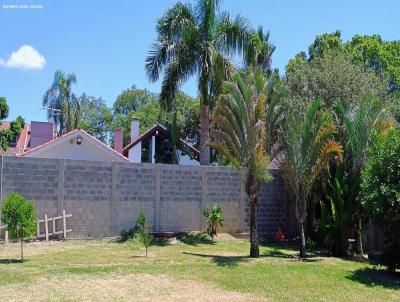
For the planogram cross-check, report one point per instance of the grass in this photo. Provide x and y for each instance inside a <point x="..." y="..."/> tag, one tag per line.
<point x="195" y="269"/>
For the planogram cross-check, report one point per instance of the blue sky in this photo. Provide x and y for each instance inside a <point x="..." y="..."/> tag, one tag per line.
<point x="105" y="42"/>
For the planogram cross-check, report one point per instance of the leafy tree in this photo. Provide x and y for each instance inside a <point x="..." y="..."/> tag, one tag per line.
<point x="19" y="217"/>
<point x="96" y="117"/>
<point x="214" y="218"/>
<point x="380" y="192"/>
<point x="331" y="78"/>
<point x="10" y="134"/>
<point x="239" y="134"/>
<point x="193" y="40"/>
<point x="62" y="105"/>
<point x="142" y="234"/>
<point x="308" y="150"/>
<point x="149" y="113"/>
<point x="132" y="99"/>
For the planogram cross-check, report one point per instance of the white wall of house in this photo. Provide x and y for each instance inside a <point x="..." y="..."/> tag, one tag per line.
<point x="69" y="149"/>
<point x="187" y="161"/>
<point x="135" y="153"/>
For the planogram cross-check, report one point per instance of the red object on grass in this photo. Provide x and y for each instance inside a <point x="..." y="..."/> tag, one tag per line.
<point x="279" y="235"/>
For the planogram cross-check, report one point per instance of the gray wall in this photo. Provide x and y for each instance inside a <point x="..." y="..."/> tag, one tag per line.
<point x="105" y="198"/>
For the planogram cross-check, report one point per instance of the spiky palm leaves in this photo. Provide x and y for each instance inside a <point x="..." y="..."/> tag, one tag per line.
<point x="61" y="103"/>
<point x="308" y="149"/>
<point x="360" y="124"/>
<point x="238" y="132"/>
<point x="260" y="52"/>
<point x="194" y="40"/>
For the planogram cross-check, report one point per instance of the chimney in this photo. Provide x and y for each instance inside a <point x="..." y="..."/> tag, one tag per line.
<point x="135" y="129"/>
<point x="41" y="133"/>
<point x="118" y="140"/>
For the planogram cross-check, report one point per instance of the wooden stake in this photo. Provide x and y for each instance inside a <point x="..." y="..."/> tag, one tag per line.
<point x="46" y="226"/>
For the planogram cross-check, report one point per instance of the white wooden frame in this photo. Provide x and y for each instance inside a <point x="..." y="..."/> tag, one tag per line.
<point x="46" y="221"/>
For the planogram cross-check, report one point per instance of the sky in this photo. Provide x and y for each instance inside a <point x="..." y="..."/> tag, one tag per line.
<point x="105" y="43"/>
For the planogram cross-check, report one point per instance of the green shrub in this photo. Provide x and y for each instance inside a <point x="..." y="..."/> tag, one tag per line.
<point x="214" y="218"/>
<point x="19" y="216"/>
<point x="380" y="193"/>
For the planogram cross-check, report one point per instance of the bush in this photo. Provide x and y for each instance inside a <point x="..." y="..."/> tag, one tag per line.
<point x="214" y="218"/>
<point x="19" y="216"/>
<point x="380" y="193"/>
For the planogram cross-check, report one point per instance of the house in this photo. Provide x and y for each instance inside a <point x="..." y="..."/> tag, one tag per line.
<point x="32" y="135"/>
<point x="155" y="146"/>
<point x="77" y="145"/>
<point x="38" y="140"/>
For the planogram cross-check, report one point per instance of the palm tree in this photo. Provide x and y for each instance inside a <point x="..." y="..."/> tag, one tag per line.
<point x="259" y="51"/>
<point x="360" y="124"/>
<point x="308" y="150"/>
<point x="60" y="101"/>
<point x="194" y="40"/>
<point x="238" y="132"/>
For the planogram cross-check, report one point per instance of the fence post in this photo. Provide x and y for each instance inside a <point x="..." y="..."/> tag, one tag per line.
<point x="204" y="196"/>
<point x="46" y="227"/>
<point x="157" y="207"/>
<point x="60" y="198"/>
<point x="64" y="224"/>
<point x="6" y="237"/>
<point x="113" y="203"/>
<point x="38" y="228"/>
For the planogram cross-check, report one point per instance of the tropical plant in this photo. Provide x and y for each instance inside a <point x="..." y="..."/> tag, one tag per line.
<point x="193" y="40"/>
<point x="215" y="219"/>
<point x="259" y="51"/>
<point x="360" y="124"/>
<point x="61" y="104"/>
<point x="19" y="217"/>
<point x="380" y="192"/>
<point x="142" y="234"/>
<point x="308" y="150"/>
<point x="239" y="134"/>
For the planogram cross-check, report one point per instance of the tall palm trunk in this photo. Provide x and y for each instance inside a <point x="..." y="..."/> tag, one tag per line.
<point x="254" y="250"/>
<point x="359" y="245"/>
<point x="204" y="135"/>
<point x="303" y="248"/>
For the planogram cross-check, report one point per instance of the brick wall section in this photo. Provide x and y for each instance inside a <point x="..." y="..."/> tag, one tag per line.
<point x="105" y="198"/>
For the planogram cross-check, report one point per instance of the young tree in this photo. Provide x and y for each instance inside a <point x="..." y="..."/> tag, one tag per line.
<point x="195" y="41"/>
<point x="380" y="193"/>
<point x="19" y="217"/>
<point x="239" y="133"/>
<point x="142" y="234"/>
<point x="308" y="149"/>
<point x="214" y="218"/>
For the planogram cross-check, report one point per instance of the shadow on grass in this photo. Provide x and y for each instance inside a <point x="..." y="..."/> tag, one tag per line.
<point x="11" y="261"/>
<point x="196" y="239"/>
<point x="276" y="253"/>
<point x="228" y="261"/>
<point x="376" y="277"/>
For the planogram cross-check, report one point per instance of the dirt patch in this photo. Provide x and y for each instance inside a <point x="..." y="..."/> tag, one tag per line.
<point x="143" y="287"/>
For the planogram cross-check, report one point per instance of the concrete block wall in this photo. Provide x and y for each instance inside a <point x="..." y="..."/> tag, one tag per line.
<point x="105" y="198"/>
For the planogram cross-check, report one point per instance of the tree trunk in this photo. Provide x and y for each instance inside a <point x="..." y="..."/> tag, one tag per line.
<point x="204" y="135"/>
<point x="22" y="250"/>
<point x="254" y="250"/>
<point x="303" y="248"/>
<point x="359" y="247"/>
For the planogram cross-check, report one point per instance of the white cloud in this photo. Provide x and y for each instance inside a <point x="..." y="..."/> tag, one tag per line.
<point x="26" y="57"/>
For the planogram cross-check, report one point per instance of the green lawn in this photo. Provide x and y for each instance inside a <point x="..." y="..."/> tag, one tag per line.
<point x="220" y="271"/>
